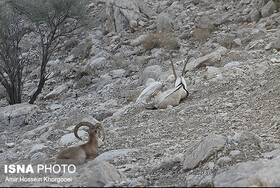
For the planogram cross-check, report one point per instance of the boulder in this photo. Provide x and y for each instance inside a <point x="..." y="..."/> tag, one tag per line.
<point x="268" y="9"/>
<point x="207" y="59"/>
<point x="200" y="151"/>
<point x="250" y="174"/>
<point x="122" y="13"/>
<point x="148" y="92"/>
<point x="164" y="23"/>
<point x="17" y="114"/>
<point x="101" y="174"/>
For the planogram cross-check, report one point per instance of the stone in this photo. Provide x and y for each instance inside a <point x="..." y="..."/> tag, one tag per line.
<point x="95" y="63"/>
<point x="147" y="93"/>
<point x="207" y="181"/>
<point x="246" y="136"/>
<point x="82" y="50"/>
<point x="122" y="13"/>
<point x="38" y="158"/>
<point x="164" y="23"/>
<point x="137" y="41"/>
<point x="233" y="64"/>
<point x="223" y="160"/>
<point x="118" y="73"/>
<point x="57" y="91"/>
<point x="237" y="41"/>
<point x="200" y="151"/>
<point x="70" y="138"/>
<point x="101" y="174"/>
<point x="268" y="9"/>
<point x="111" y="155"/>
<point x="83" y="82"/>
<point x="133" y="24"/>
<point x="234" y="153"/>
<point x="250" y="174"/>
<point x="37" y="147"/>
<point x="17" y="114"/>
<point x="207" y="59"/>
<point x="167" y="163"/>
<point x="152" y="71"/>
<point x="10" y="145"/>
<point x="271" y="154"/>
<point x="255" y="15"/>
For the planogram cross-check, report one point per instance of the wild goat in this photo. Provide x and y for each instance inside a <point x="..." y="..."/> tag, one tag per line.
<point x="173" y="96"/>
<point x="79" y="154"/>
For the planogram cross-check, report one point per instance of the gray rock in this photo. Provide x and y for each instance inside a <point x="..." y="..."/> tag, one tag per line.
<point x="201" y="61"/>
<point x="38" y="158"/>
<point x="152" y="71"/>
<point x="271" y="154"/>
<point x="234" y="153"/>
<point x="37" y="147"/>
<point x="253" y="173"/>
<point x="268" y="9"/>
<point x="246" y="136"/>
<point x="111" y="155"/>
<point x="255" y="15"/>
<point x="207" y="181"/>
<point x="118" y="73"/>
<point x="102" y="174"/>
<point x="10" y="145"/>
<point x="147" y="93"/>
<point x="223" y="160"/>
<point x="121" y="13"/>
<point x="168" y="163"/>
<point x="84" y="81"/>
<point x="83" y="49"/>
<point x="200" y="151"/>
<point x="194" y="180"/>
<point x="137" y="41"/>
<point x="164" y="23"/>
<point x="70" y="138"/>
<point x="95" y="63"/>
<point x="57" y="91"/>
<point x="237" y="41"/>
<point x="55" y="106"/>
<point x="17" y="114"/>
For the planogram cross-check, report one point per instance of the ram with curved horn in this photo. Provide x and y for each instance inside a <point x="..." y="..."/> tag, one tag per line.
<point x="175" y="95"/>
<point x="79" y="154"/>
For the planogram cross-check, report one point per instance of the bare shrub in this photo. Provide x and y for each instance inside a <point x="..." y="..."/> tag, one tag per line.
<point x="160" y="40"/>
<point x="201" y="34"/>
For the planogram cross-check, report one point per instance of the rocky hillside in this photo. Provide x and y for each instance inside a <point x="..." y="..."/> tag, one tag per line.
<point x="225" y="133"/>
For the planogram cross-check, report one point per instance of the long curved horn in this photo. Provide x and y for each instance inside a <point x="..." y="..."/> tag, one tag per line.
<point x="84" y="123"/>
<point x="186" y="61"/>
<point x="172" y="64"/>
<point x="101" y="126"/>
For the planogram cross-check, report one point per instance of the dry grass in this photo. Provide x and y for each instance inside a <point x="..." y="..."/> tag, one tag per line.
<point x="160" y="40"/>
<point x="201" y="34"/>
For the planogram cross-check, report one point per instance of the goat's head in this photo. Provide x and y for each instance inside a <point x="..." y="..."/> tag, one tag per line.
<point x="180" y="80"/>
<point x="93" y="129"/>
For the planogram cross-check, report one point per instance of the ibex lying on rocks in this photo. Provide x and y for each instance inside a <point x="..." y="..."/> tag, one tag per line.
<point x="79" y="154"/>
<point x="173" y="96"/>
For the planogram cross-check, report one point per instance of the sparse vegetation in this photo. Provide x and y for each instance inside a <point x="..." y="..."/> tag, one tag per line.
<point x="12" y="61"/>
<point x="160" y="40"/>
<point x="201" y="34"/>
<point x="51" y="20"/>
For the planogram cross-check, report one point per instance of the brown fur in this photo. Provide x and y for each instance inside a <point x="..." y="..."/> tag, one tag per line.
<point x="79" y="154"/>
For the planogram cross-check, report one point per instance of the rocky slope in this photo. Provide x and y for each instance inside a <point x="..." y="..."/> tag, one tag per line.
<point x="225" y="133"/>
